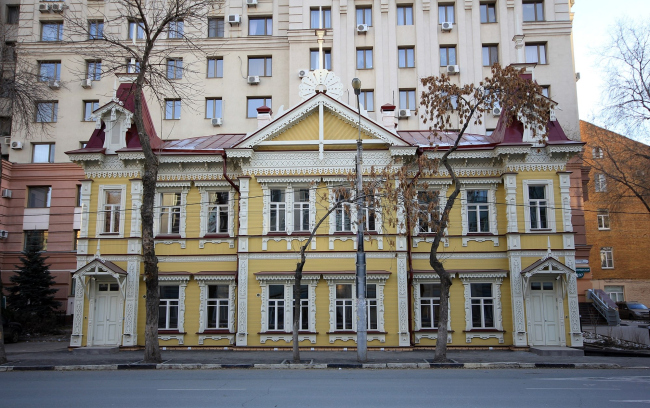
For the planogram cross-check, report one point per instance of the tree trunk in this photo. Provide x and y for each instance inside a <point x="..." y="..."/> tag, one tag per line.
<point x="151" y="346"/>
<point x="3" y="354"/>
<point x="443" y="310"/>
<point x="296" y="307"/>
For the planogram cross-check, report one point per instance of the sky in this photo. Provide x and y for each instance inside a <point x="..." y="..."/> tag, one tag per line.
<point x="591" y="22"/>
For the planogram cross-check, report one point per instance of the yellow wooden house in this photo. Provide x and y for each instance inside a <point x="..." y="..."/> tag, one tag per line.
<point x="231" y="211"/>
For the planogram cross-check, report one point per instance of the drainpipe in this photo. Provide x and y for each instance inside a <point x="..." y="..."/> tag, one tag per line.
<point x="410" y="260"/>
<point x="236" y="187"/>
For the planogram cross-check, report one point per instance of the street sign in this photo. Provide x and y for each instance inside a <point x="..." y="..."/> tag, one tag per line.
<point x="581" y="271"/>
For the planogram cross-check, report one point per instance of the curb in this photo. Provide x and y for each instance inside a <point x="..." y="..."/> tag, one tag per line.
<point x="347" y="366"/>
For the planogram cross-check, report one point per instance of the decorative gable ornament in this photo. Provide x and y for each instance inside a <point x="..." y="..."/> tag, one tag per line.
<point x="320" y="80"/>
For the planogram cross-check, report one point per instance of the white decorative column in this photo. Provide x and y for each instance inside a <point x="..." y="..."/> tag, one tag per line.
<point x="242" y="249"/>
<point x="574" y="313"/>
<point x="403" y="300"/>
<point x="77" y="324"/>
<point x="510" y="184"/>
<point x="565" y="197"/>
<point x="136" y="203"/>
<point x="86" y="186"/>
<point x="519" y="335"/>
<point x="130" y="337"/>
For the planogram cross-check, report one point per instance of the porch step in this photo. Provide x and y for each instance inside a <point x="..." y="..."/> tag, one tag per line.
<point x="556" y="351"/>
<point x="96" y="350"/>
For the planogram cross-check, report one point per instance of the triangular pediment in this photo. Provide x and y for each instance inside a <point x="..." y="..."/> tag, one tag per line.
<point x="320" y="122"/>
<point x="548" y="265"/>
<point x="98" y="267"/>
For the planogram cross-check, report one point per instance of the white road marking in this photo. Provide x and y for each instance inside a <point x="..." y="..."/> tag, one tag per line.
<point x="201" y="389"/>
<point x="590" y="389"/>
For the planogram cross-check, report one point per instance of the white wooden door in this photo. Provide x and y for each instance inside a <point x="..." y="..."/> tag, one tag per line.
<point x="106" y="331"/>
<point x="544" y="314"/>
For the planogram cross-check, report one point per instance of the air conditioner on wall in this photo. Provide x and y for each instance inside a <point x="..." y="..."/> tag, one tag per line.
<point x="404" y="113"/>
<point x="452" y="69"/>
<point x="7" y="140"/>
<point x="58" y="7"/>
<point x="86" y="83"/>
<point x="234" y="18"/>
<point x="4" y="234"/>
<point x="303" y="73"/>
<point x="54" y="84"/>
<point x="496" y="111"/>
<point x="217" y="121"/>
<point x="362" y="28"/>
<point x="16" y="145"/>
<point x="44" y="8"/>
<point x="254" y="80"/>
<point x="251" y="3"/>
<point x="447" y="26"/>
<point x="6" y="193"/>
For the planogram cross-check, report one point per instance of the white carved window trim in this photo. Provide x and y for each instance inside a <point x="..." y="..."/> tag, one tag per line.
<point x="205" y="192"/>
<point x="550" y="215"/>
<point x="350" y="279"/>
<point x="417" y="318"/>
<point x="117" y="119"/>
<point x="204" y="281"/>
<point x="289" y="188"/>
<point x="99" y="231"/>
<point x="182" y="188"/>
<point x="287" y="280"/>
<point x="441" y="190"/>
<point x="496" y="279"/>
<point x="492" y="214"/>
<point x="180" y="281"/>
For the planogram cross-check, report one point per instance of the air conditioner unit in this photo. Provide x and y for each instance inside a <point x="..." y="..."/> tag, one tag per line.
<point x="303" y="73"/>
<point x="452" y="69"/>
<point x="16" y="145"/>
<point x="4" y="234"/>
<point x="58" y="7"/>
<point x="44" y="8"/>
<point x="496" y="111"/>
<point x="6" y="193"/>
<point x="54" y="84"/>
<point x="234" y="19"/>
<point x="251" y="3"/>
<point x="404" y="113"/>
<point x="86" y="83"/>
<point x="447" y="26"/>
<point x="362" y="28"/>
<point x="253" y="80"/>
<point x="7" y="140"/>
<point x="217" y="121"/>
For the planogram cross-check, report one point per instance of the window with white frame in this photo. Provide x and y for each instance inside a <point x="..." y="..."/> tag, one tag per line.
<point x="218" y="307"/>
<point x="482" y="301"/>
<point x="278" y="210"/>
<point x="429" y="211"/>
<point x="278" y="306"/>
<point x="616" y="293"/>
<point x="170" y="213"/>
<point x="607" y="258"/>
<point x="538" y="207"/>
<point x="169" y="307"/>
<point x="218" y="212"/>
<point x="600" y="183"/>
<point x="301" y="209"/>
<point x="371" y="306"/>
<point x="429" y="304"/>
<point x="343" y="305"/>
<point x="603" y="219"/>
<point x="370" y="213"/>
<point x="343" y="213"/>
<point x="478" y="211"/>
<point x="112" y="210"/>
<point x="597" y="152"/>
<point x="275" y="308"/>
<point x="303" y="319"/>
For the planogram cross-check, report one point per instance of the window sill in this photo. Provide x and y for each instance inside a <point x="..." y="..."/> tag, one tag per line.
<point x="168" y="236"/>
<point x="540" y="230"/>
<point x="166" y="331"/>
<point x="484" y="331"/>
<point x="109" y="234"/>
<point x="215" y="331"/>
<point x="222" y="235"/>
<point x="343" y="332"/>
<point x="272" y="332"/>
<point x="479" y="234"/>
<point x="344" y="233"/>
<point x="432" y="331"/>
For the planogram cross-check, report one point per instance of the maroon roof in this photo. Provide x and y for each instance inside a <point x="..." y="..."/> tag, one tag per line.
<point x="203" y="143"/>
<point x="426" y="138"/>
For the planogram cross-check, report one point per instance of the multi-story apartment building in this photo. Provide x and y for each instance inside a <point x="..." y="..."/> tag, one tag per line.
<point x="388" y="45"/>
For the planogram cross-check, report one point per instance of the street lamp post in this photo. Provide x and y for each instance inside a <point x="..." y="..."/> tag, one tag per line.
<point x="362" y="326"/>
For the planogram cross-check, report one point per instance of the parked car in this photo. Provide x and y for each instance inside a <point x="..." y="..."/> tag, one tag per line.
<point x="633" y="310"/>
<point x="11" y="330"/>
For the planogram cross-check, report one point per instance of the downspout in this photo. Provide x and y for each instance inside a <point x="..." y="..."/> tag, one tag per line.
<point x="236" y="187"/>
<point x="410" y="260"/>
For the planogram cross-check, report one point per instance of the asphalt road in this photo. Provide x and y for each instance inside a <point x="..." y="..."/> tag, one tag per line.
<point x="327" y="388"/>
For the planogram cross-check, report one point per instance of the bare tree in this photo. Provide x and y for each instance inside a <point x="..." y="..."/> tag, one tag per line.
<point x="157" y="30"/>
<point x="626" y="65"/>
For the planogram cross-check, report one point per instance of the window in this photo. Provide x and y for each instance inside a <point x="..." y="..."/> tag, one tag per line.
<point x="174" y="68"/>
<point x="132" y="66"/>
<point x="301" y="209"/>
<point x="536" y="53"/>
<point x="538" y="207"/>
<point x="343" y="307"/>
<point x="603" y="219"/>
<point x="404" y="15"/>
<point x="533" y="10"/>
<point x="406" y="57"/>
<point x="95" y="30"/>
<point x="213" y="108"/>
<point x="447" y="55"/>
<point x="371" y="306"/>
<point x="172" y="108"/>
<point x="215" y="67"/>
<point x="482" y="305"/>
<point x="176" y="29"/>
<point x="39" y="197"/>
<point x="75" y="240"/>
<point x="111" y="210"/>
<point x="218" y="305"/>
<point x="343" y="213"/>
<point x="490" y="55"/>
<point x="364" y="16"/>
<point x="429" y="303"/>
<point x="49" y="71"/>
<point x="428" y="202"/>
<point x="607" y="258"/>
<point x="600" y="183"/>
<point x="446" y="14"/>
<point x="82" y="145"/>
<point x="278" y="210"/>
<point x="89" y="108"/>
<point x="168" y="310"/>
<point x="370" y="213"/>
<point x="52" y="31"/>
<point x="94" y="70"/>
<point x="218" y="213"/>
<point x="170" y="213"/>
<point x="260" y="66"/>
<point x="47" y="111"/>
<point x="321" y="17"/>
<point x="35" y="239"/>
<point x="364" y="58"/>
<point x="254" y="103"/>
<point x="407" y="99"/>
<point x="367" y="100"/>
<point x="78" y="197"/>
<point x="313" y="59"/>
<point x="615" y="293"/>
<point x="215" y="28"/>
<point x="478" y="211"/>
<point x="260" y="26"/>
<point x="546" y="90"/>
<point x="43" y="153"/>
<point x="597" y="152"/>
<point x="304" y="308"/>
<point x="488" y="132"/>
<point x="13" y="14"/>
<point x="488" y="13"/>
<point x="276" y="307"/>
<point x="136" y="30"/>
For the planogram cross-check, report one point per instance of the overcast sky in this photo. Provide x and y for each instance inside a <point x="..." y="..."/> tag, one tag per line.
<point x="590" y="30"/>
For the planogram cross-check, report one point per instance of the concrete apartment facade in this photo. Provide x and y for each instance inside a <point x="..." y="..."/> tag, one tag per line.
<point x="403" y="41"/>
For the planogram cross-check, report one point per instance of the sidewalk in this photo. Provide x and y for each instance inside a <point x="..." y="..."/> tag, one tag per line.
<point x="56" y="356"/>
